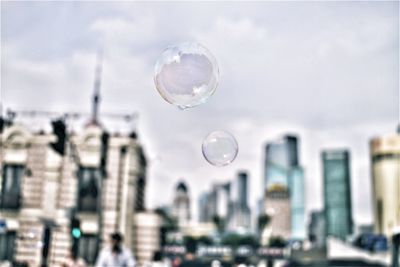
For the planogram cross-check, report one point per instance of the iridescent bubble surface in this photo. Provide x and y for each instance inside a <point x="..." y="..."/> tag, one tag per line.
<point x="186" y="75"/>
<point x="220" y="148"/>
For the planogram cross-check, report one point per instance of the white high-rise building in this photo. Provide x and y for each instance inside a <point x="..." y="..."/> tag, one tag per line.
<point x="148" y="238"/>
<point x="385" y="156"/>
<point x="64" y="191"/>
<point x="181" y="205"/>
<point x="42" y="189"/>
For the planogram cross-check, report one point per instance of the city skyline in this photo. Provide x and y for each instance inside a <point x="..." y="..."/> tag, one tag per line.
<point x="55" y="70"/>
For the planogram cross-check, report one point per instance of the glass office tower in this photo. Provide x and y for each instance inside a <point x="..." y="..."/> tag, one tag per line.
<point x="337" y="193"/>
<point x="280" y="156"/>
<point x="282" y="170"/>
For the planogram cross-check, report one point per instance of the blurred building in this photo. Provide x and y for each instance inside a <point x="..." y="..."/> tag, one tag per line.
<point x="282" y="170"/>
<point x="239" y="214"/>
<point x="280" y="156"/>
<point x="181" y="204"/>
<point x="337" y="193"/>
<point x="147" y="236"/>
<point x="204" y="212"/>
<point x="223" y="200"/>
<point x="385" y="167"/>
<point x="242" y="188"/>
<point x="47" y="181"/>
<point x="316" y="229"/>
<point x="297" y="192"/>
<point x="277" y="206"/>
<point x="63" y="191"/>
<point x="215" y="206"/>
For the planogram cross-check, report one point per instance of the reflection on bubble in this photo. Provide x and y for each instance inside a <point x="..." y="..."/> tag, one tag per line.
<point x="186" y="75"/>
<point x="220" y="148"/>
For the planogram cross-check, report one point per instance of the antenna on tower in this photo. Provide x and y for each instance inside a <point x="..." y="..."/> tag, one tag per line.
<point x="97" y="86"/>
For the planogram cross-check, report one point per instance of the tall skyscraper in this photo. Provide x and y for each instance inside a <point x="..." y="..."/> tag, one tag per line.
<point x="385" y="156"/>
<point x="181" y="204"/>
<point x="282" y="170"/>
<point x="280" y="156"/>
<point x="239" y="218"/>
<point x="337" y="193"/>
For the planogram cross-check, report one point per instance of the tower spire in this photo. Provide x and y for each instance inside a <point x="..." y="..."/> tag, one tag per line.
<point x="97" y="86"/>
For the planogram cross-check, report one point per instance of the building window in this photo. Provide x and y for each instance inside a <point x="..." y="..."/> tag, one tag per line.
<point x="7" y="245"/>
<point x="11" y="186"/>
<point x="381" y="157"/>
<point x="380" y="215"/>
<point x="140" y="188"/>
<point x="88" y="193"/>
<point x="88" y="248"/>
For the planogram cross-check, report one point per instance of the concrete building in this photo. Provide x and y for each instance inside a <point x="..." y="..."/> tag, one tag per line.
<point x="63" y="190"/>
<point x="41" y="189"/>
<point x="277" y="206"/>
<point x="147" y="236"/>
<point x="181" y="204"/>
<point x="385" y="167"/>
<point x="337" y="193"/>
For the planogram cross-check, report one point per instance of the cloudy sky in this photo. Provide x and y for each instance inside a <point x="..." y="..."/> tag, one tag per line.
<point x="327" y="71"/>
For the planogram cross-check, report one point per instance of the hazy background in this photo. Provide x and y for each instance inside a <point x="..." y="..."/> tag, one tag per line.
<point x="327" y="71"/>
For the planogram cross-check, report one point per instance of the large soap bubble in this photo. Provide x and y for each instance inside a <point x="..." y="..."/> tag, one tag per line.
<point x="220" y="148"/>
<point x="186" y="75"/>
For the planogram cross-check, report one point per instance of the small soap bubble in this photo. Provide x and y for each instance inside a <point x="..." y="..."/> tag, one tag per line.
<point x="220" y="148"/>
<point x="186" y="75"/>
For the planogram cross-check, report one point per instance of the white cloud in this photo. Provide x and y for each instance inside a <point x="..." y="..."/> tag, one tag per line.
<point x="123" y="32"/>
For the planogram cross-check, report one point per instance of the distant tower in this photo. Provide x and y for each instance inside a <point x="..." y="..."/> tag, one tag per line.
<point x="385" y="167"/>
<point x="181" y="204"/>
<point x="280" y="156"/>
<point x="242" y="189"/>
<point x="282" y="170"/>
<point x="97" y="86"/>
<point x="239" y="218"/>
<point x="203" y="207"/>
<point x="337" y="193"/>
